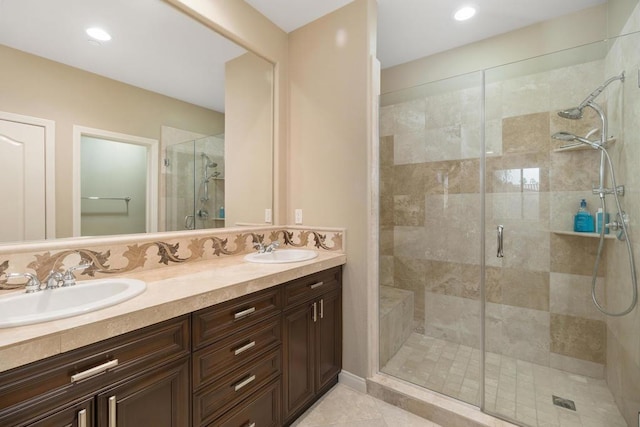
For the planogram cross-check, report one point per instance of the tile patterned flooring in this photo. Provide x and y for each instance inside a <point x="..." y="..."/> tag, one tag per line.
<point x="516" y="389"/>
<point x="344" y="407"/>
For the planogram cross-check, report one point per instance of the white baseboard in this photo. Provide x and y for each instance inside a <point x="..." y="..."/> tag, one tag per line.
<point x="355" y="382"/>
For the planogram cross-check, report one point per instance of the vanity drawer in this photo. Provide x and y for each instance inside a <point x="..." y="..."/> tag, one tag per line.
<point x="214" y="323"/>
<point x="263" y="409"/>
<point x="213" y="401"/>
<point x="135" y="352"/>
<point x="212" y="362"/>
<point x="309" y="287"/>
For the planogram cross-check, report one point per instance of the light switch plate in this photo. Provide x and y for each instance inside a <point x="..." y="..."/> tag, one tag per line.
<point x="267" y="216"/>
<point x="298" y="216"/>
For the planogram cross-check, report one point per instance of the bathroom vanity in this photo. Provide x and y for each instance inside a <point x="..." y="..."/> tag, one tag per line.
<point x="258" y="359"/>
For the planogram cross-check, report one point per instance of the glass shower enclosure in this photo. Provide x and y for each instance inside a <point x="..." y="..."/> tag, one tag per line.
<point x="195" y="184"/>
<point x="485" y="290"/>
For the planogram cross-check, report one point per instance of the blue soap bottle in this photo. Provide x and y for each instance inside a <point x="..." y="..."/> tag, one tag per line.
<point x="583" y="221"/>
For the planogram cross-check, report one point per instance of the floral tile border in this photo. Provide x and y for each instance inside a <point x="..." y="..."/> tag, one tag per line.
<point x="117" y="257"/>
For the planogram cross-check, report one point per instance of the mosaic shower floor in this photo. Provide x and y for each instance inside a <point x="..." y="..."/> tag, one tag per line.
<point x="514" y="388"/>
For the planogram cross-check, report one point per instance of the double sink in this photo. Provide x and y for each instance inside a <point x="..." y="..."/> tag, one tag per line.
<point x="90" y="295"/>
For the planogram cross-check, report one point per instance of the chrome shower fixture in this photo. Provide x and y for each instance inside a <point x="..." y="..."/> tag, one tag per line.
<point x="566" y="136"/>
<point x="210" y="163"/>
<point x="576" y="112"/>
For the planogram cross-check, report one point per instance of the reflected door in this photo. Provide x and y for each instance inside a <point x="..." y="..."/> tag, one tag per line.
<point x="22" y="150"/>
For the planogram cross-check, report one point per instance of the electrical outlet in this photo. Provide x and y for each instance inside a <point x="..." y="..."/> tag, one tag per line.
<point x="267" y="216"/>
<point x="298" y="216"/>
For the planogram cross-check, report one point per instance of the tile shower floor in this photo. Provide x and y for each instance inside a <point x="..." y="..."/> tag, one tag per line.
<point x="344" y="407"/>
<point x="516" y="389"/>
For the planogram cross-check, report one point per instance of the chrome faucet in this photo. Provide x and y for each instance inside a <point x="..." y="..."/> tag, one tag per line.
<point x="68" y="279"/>
<point x="33" y="284"/>
<point x="54" y="280"/>
<point x="269" y="248"/>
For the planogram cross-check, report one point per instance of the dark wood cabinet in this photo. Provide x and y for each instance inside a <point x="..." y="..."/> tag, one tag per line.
<point x="312" y="335"/>
<point x="259" y="360"/>
<point x="54" y="392"/>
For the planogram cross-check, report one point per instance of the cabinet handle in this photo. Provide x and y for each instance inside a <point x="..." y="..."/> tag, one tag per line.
<point x="244" y="348"/>
<point x="315" y="312"/>
<point x="316" y="285"/>
<point x="500" y="253"/>
<point x="250" y="424"/>
<point x="82" y="418"/>
<point x="94" y="371"/>
<point x="244" y="382"/>
<point x="112" y="411"/>
<point x="244" y="313"/>
<point x="322" y="308"/>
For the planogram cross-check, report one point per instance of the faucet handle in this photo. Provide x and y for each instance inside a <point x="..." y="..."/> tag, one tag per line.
<point x="33" y="285"/>
<point x="68" y="279"/>
<point x="259" y="246"/>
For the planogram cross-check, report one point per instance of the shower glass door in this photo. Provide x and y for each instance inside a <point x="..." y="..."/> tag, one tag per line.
<point x="431" y="231"/>
<point x="195" y="188"/>
<point x="546" y="344"/>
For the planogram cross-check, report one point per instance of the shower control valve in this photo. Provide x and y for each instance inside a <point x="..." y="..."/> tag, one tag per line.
<point x="603" y="190"/>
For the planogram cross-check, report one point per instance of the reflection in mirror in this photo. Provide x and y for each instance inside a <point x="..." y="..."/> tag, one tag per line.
<point x="163" y="76"/>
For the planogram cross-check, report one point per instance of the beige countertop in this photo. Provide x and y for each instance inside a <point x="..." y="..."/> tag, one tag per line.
<point x="171" y="291"/>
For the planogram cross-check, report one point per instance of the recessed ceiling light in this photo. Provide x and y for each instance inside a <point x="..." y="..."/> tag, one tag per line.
<point x="98" y="34"/>
<point x="464" y="13"/>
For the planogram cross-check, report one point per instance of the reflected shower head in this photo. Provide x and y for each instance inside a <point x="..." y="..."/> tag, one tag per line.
<point x="566" y="136"/>
<point x="210" y="163"/>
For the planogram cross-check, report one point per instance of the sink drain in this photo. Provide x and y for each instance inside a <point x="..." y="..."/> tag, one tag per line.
<point x="564" y="403"/>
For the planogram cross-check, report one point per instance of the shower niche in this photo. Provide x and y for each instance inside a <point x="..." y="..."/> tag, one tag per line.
<point x="195" y="187"/>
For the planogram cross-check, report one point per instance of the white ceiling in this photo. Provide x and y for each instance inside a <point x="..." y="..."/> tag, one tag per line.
<point x="158" y="48"/>
<point x="412" y="29"/>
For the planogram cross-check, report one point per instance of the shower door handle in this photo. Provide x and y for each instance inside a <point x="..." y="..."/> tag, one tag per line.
<point x="189" y="222"/>
<point x="500" y="253"/>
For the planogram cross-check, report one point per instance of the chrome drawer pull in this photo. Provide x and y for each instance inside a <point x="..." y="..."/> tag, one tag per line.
<point x="315" y="312"/>
<point x="322" y="308"/>
<point x="112" y="411"/>
<point x="250" y="425"/>
<point x="244" y="382"/>
<point x="244" y="313"/>
<point x="316" y="285"/>
<point x="94" y="371"/>
<point x="82" y="418"/>
<point x="244" y="348"/>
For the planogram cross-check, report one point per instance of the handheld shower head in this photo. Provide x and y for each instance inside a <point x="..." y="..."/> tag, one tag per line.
<point x="576" y="112"/>
<point x="566" y="136"/>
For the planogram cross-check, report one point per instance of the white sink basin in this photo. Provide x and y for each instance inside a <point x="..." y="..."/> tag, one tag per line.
<point x="281" y="256"/>
<point x="84" y="297"/>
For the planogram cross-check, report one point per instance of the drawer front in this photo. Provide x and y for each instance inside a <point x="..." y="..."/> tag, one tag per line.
<point x="219" y="321"/>
<point x="213" y="401"/>
<point x="260" y="410"/>
<point x="211" y="362"/>
<point x="135" y="352"/>
<point x="309" y="287"/>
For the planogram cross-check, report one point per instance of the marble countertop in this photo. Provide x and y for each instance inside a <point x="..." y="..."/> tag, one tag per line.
<point x="171" y="291"/>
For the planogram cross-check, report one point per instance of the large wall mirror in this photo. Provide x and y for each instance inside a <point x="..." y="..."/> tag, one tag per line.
<point x="152" y="130"/>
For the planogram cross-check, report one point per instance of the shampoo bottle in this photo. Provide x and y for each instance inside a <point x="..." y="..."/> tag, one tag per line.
<point x="602" y="220"/>
<point x="583" y="221"/>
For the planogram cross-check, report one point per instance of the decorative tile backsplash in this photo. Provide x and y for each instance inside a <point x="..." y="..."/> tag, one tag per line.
<point x="109" y="256"/>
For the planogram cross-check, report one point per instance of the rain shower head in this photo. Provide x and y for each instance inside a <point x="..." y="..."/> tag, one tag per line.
<point x="566" y="136"/>
<point x="576" y="112"/>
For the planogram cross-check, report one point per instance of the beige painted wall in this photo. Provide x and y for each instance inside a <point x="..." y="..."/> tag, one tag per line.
<point x="247" y="27"/>
<point x="248" y="133"/>
<point x="587" y="26"/>
<point x="35" y="86"/>
<point x="329" y="125"/>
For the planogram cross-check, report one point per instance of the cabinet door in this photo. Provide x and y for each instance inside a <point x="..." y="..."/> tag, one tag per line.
<point x="159" y="398"/>
<point x="78" y="415"/>
<point x="328" y="339"/>
<point x="299" y="358"/>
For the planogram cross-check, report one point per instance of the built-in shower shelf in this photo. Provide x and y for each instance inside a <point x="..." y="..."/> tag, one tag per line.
<point x="578" y="146"/>
<point x="574" y="233"/>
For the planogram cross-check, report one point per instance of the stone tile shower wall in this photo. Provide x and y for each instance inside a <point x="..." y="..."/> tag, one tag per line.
<point x="538" y="295"/>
